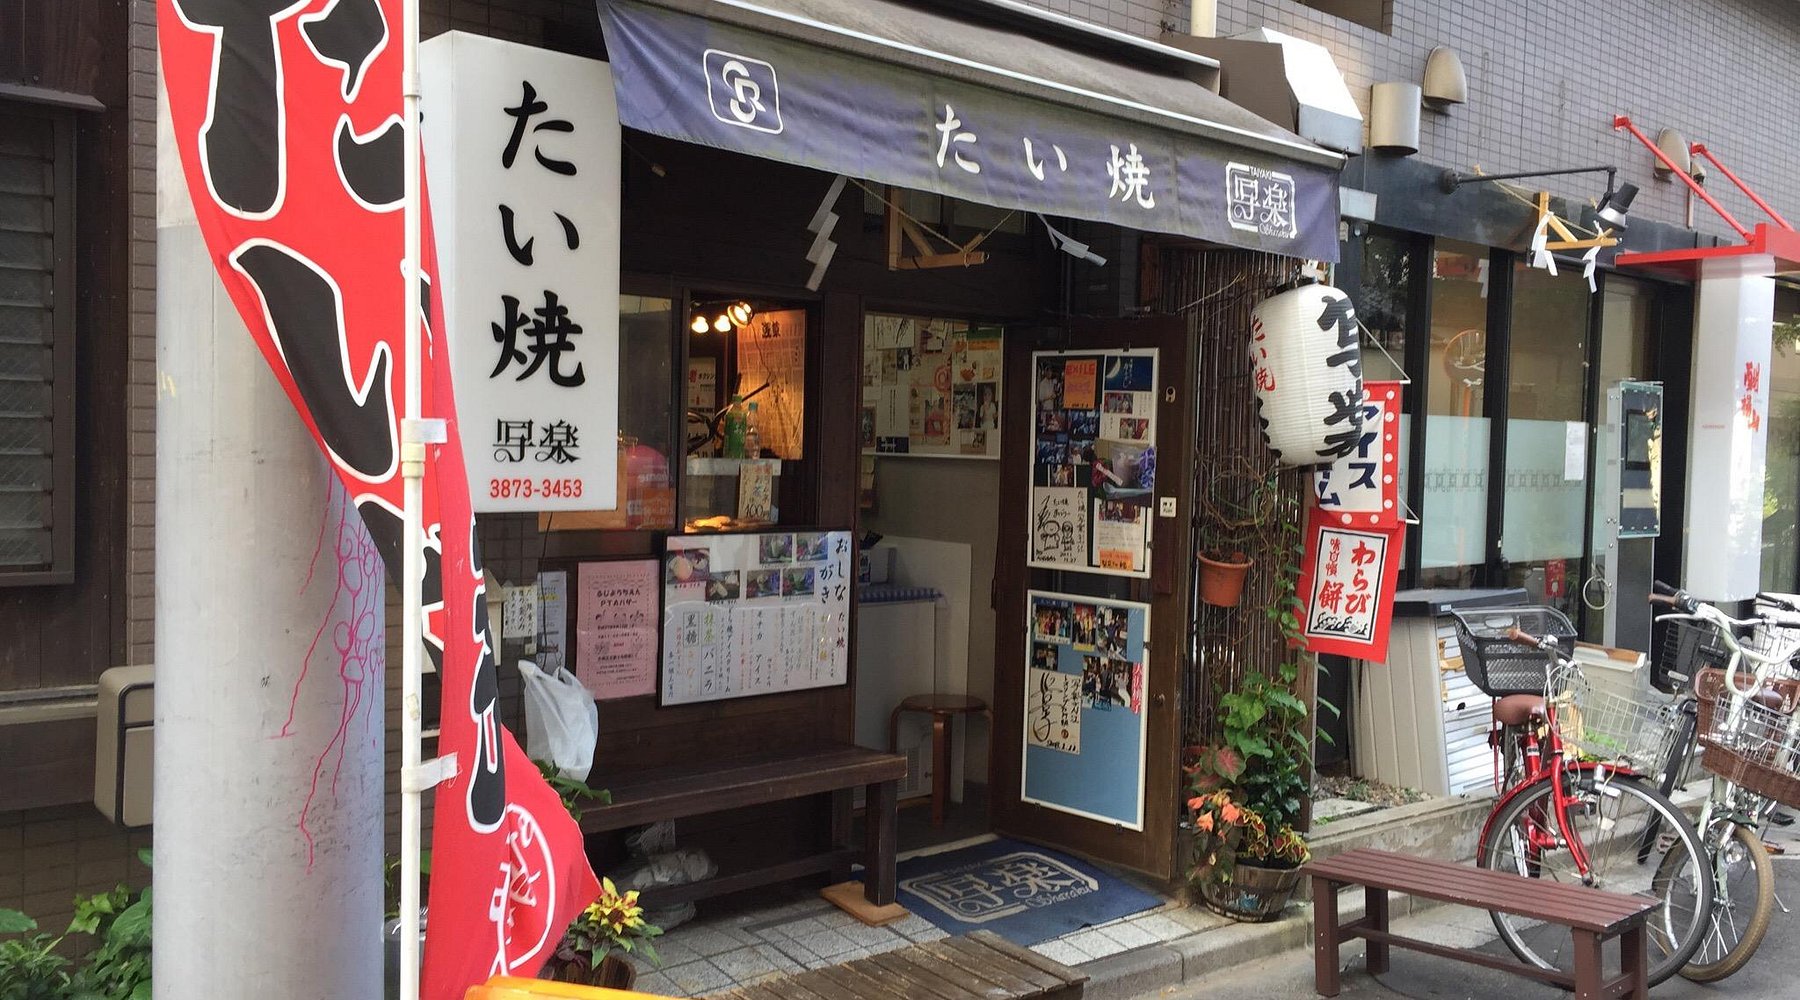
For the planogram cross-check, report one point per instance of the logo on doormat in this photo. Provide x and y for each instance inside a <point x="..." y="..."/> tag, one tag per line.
<point x="1000" y="887"/>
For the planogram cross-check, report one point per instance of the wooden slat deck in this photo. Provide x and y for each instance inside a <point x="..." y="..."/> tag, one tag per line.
<point x="1592" y="916"/>
<point x="979" y="966"/>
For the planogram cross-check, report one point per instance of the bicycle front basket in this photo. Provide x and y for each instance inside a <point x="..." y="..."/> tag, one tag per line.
<point x="1500" y="665"/>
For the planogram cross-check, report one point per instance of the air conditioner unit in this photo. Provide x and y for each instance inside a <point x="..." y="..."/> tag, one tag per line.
<point x="123" y="775"/>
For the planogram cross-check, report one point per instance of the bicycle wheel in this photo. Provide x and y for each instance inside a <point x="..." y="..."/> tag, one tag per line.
<point x="1608" y="814"/>
<point x="1743" y="902"/>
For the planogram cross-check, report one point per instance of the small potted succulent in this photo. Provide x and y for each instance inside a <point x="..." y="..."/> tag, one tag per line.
<point x="593" y="949"/>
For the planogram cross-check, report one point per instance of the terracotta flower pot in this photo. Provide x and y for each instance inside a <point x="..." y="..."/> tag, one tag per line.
<point x="1222" y="583"/>
<point x="1253" y="894"/>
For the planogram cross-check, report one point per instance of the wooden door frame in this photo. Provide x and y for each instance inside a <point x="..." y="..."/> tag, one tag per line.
<point x="1168" y="590"/>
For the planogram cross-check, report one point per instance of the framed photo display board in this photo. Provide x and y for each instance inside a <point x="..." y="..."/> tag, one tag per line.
<point x="1085" y="735"/>
<point x="750" y="614"/>
<point x="930" y="387"/>
<point x="1093" y="461"/>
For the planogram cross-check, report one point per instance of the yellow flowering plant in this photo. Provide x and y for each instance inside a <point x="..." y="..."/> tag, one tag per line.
<point x="612" y="923"/>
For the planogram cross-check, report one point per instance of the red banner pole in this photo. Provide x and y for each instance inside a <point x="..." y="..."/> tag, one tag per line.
<point x="412" y="471"/>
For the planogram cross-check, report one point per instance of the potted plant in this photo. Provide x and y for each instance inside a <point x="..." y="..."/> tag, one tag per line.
<point x="1246" y="793"/>
<point x="1245" y="797"/>
<point x="1237" y="508"/>
<point x="593" y="949"/>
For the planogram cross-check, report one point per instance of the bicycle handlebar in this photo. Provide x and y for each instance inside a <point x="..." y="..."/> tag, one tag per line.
<point x="1535" y="642"/>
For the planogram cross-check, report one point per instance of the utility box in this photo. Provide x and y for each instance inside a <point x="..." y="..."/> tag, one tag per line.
<point x="123" y="773"/>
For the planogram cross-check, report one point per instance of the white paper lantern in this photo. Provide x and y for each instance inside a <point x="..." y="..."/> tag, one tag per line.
<point x="1306" y="364"/>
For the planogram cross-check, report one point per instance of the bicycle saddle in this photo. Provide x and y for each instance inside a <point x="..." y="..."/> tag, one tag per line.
<point x="1518" y="709"/>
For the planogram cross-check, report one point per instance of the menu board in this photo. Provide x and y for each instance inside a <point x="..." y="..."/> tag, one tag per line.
<point x="749" y="614"/>
<point x="1093" y="461"/>
<point x="930" y="387"/>
<point x="1085" y="730"/>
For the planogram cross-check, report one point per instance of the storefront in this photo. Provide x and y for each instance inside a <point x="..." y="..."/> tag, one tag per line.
<point x="884" y="226"/>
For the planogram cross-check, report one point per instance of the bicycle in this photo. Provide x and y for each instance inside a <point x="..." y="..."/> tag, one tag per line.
<point x="1572" y="806"/>
<point x="1702" y="652"/>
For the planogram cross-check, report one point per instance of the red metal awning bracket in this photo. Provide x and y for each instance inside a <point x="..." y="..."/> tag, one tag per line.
<point x="1699" y="149"/>
<point x="1623" y="122"/>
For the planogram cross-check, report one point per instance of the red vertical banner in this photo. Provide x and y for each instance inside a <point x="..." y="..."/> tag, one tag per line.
<point x="288" y="118"/>
<point x="1347" y="581"/>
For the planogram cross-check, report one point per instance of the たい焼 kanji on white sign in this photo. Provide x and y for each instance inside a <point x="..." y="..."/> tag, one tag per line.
<point x="525" y="186"/>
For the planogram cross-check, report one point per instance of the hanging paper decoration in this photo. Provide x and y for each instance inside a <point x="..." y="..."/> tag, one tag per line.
<point x="287" y="118"/>
<point x="1307" y="366"/>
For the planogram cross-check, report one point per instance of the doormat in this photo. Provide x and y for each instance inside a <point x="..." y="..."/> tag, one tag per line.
<point x="1023" y="893"/>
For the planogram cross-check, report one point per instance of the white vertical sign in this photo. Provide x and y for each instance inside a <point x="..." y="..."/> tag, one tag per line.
<point x="522" y="153"/>
<point x="1728" y="428"/>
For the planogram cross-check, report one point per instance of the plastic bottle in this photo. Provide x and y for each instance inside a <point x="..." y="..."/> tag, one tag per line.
<point x="735" y="419"/>
<point x="752" y="435"/>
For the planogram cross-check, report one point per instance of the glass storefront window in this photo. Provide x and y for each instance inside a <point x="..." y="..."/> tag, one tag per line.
<point x="762" y="363"/>
<point x="1543" y="537"/>
<point x="1781" y="468"/>
<point x="1453" y="535"/>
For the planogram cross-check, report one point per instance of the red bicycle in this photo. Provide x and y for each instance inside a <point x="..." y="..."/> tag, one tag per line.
<point x="1573" y="807"/>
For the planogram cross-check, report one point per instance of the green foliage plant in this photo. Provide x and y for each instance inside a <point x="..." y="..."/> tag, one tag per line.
<point x="117" y="969"/>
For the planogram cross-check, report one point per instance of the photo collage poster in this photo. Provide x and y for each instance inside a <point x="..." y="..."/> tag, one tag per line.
<point x="930" y="387"/>
<point x="1085" y="729"/>
<point x="750" y="614"/>
<point x="1093" y="455"/>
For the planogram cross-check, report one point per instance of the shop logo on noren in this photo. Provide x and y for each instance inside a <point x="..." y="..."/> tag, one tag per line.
<point x="1260" y="201"/>
<point x="742" y="91"/>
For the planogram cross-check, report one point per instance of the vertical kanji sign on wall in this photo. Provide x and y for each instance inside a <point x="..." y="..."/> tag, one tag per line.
<point x="523" y="148"/>
<point x="1347" y="580"/>
<point x="288" y="118"/>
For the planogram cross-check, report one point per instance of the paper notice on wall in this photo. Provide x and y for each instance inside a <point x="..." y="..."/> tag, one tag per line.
<point x="1053" y="710"/>
<point x="553" y="618"/>
<point x="1575" y="438"/>
<point x="1119" y="536"/>
<point x="1081" y="379"/>
<point x="519" y="614"/>
<point x="756" y="491"/>
<point x="1059" y="526"/>
<point x="615" y="632"/>
<point x="891" y="417"/>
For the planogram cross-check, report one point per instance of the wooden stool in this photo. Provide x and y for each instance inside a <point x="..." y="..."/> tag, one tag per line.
<point x="942" y="708"/>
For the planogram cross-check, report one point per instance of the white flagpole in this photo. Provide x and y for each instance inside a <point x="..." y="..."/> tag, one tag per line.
<point x="412" y="471"/>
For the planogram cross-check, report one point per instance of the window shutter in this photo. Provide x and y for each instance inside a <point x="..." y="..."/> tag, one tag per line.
<point x="35" y="311"/>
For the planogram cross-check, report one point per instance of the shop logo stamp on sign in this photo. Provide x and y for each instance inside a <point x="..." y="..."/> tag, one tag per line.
<point x="1260" y="201"/>
<point x="743" y="91"/>
<point x="1000" y="887"/>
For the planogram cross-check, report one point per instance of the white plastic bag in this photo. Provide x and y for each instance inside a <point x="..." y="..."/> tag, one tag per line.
<point x="562" y="723"/>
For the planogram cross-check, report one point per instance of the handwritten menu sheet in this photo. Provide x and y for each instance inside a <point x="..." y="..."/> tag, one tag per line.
<point x="749" y="614"/>
<point x="615" y="628"/>
<point x="1093" y="461"/>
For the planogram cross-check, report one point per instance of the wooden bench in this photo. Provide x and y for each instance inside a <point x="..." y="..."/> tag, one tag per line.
<point x="979" y="966"/>
<point x="708" y="786"/>
<point x="1591" y="915"/>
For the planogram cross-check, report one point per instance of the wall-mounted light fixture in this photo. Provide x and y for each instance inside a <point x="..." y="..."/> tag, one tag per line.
<point x="1445" y="83"/>
<point x="1675" y="147"/>
<point x="729" y="314"/>
<point x="1616" y="200"/>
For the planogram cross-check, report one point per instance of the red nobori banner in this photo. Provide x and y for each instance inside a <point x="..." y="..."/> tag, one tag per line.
<point x="1362" y="488"/>
<point x="1347" y="580"/>
<point x="287" y="116"/>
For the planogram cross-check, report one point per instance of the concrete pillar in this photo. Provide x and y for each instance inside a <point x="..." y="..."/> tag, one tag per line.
<point x="1728" y="429"/>
<point x="269" y="642"/>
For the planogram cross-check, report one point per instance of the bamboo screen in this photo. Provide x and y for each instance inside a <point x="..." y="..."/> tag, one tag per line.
<point x="1215" y="290"/>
